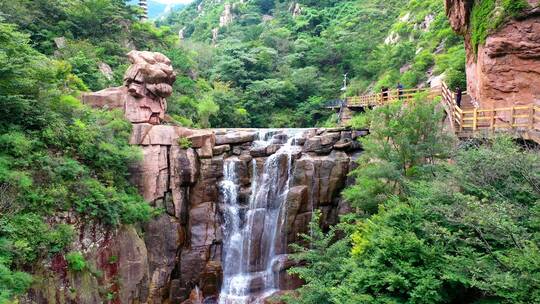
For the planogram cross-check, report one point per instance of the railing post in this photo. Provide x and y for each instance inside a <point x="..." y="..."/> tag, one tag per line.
<point x="461" y="117"/>
<point x="493" y="118"/>
<point x="475" y="119"/>
<point x="512" y="119"/>
<point x="531" y="117"/>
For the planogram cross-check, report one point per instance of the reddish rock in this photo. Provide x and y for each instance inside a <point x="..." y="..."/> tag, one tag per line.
<point x="148" y="134"/>
<point x="218" y="150"/>
<point x="458" y="12"/>
<point x="133" y="269"/>
<point x="184" y="166"/>
<point x="147" y="83"/>
<point x="235" y="138"/>
<point x="504" y="71"/>
<point x="151" y="175"/>
<point x="204" y="224"/>
<point x="162" y="240"/>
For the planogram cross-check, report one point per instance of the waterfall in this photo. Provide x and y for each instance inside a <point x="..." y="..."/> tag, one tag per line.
<point x="254" y="240"/>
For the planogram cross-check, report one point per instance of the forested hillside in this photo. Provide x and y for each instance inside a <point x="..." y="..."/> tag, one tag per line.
<point x="256" y="63"/>
<point x="287" y="58"/>
<point x="429" y="230"/>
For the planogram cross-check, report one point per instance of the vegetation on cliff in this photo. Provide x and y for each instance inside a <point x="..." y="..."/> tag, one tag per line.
<point x="488" y="15"/>
<point x="428" y="230"/>
<point x="271" y="64"/>
<point x="58" y="158"/>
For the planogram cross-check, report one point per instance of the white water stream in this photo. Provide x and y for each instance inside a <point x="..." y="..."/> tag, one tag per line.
<point x="253" y="233"/>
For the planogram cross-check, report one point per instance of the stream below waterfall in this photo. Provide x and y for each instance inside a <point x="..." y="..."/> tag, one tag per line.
<point x="254" y="243"/>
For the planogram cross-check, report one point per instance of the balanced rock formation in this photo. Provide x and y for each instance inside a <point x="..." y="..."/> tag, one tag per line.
<point x="147" y="84"/>
<point x="505" y="71"/>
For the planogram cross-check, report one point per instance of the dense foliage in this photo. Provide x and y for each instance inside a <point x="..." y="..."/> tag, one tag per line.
<point x="429" y="230"/>
<point x="59" y="158"/>
<point x="85" y="33"/>
<point x="271" y="68"/>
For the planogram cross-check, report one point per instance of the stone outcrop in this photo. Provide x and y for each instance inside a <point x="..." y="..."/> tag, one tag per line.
<point x="505" y="70"/>
<point x="320" y="172"/>
<point x="147" y="84"/>
<point x="226" y="17"/>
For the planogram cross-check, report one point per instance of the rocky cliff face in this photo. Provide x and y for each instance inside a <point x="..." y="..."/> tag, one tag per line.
<point x="179" y="254"/>
<point x="185" y="244"/>
<point x="506" y="69"/>
<point x="177" y="257"/>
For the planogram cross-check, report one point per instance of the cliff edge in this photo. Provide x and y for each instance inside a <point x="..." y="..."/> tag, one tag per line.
<point x="502" y="40"/>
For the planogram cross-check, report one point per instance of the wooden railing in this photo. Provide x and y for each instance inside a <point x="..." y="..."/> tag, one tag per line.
<point x="378" y="99"/>
<point x="468" y="122"/>
<point x="515" y="118"/>
<point x="467" y="119"/>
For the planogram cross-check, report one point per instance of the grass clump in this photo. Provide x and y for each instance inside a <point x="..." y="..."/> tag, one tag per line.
<point x="185" y="143"/>
<point x="76" y="261"/>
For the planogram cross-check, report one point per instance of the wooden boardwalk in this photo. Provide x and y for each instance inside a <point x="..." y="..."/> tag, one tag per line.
<point x="466" y="121"/>
<point x="470" y="121"/>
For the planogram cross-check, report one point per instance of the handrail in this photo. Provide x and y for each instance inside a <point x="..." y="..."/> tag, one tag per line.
<point x="517" y="118"/>
<point x="463" y="121"/>
<point x="381" y="98"/>
<point x="478" y="119"/>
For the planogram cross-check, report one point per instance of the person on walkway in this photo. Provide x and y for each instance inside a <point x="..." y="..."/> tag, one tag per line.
<point x="400" y="90"/>
<point x="384" y="94"/>
<point x="459" y="95"/>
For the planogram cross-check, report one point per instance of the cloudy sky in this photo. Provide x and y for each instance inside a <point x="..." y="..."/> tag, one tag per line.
<point x="173" y="1"/>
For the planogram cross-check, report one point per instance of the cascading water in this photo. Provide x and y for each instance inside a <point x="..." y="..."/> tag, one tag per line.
<point x="253" y="234"/>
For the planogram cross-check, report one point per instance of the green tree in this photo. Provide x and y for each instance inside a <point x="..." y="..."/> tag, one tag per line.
<point x="463" y="232"/>
<point x="206" y="107"/>
<point x="407" y="142"/>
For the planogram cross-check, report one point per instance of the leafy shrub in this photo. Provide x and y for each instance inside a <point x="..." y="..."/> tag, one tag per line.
<point x="462" y="231"/>
<point x="57" y="155"/>
<point x="184" y="143"/>
<point x="76" y="261"/>
<point x="514" y="7"/>
<point x="12" y="283"/>
<point x="183" y="121"/>
<point x="404" y="143"/>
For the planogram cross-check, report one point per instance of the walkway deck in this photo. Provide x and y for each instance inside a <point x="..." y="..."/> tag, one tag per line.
<point x="467" y="121"/>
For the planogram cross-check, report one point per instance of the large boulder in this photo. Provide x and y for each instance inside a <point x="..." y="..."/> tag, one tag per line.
<point x="235" y="138"/>
<point x="151" y="175"/>
<point x="162" y="240"/>
<point x="147" y="83"/>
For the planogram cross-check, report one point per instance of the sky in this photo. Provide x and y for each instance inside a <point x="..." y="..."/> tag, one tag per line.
<point x="174" y="1"/>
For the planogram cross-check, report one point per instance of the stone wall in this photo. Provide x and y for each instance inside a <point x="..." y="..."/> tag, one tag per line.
<point x="178" y="253"/>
